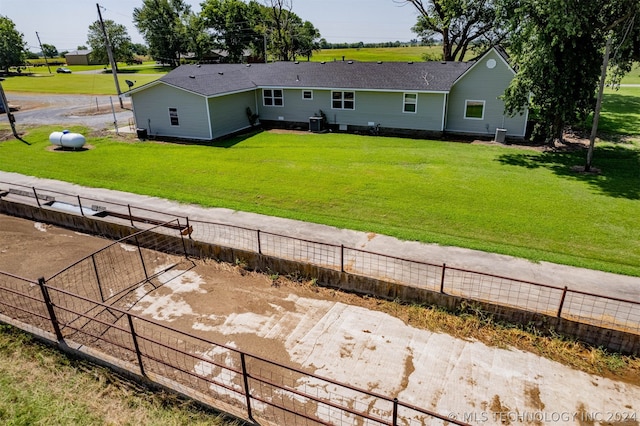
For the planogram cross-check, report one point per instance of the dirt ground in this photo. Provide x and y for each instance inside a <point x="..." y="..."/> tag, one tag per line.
<point x="32" y="250"/>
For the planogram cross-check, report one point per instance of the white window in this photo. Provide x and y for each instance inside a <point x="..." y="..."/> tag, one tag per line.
<point x="273" y="97"/>
<point x="173" y="116"/>
<point x="474" y="110"/>
<point x="343" y="100"/>
<point x="410" y="103"/>
<point x="307" y="95"/>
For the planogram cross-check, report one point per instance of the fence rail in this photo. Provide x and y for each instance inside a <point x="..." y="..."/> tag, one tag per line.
<point x="562" y="302"/>
<point x="254" y="385"/>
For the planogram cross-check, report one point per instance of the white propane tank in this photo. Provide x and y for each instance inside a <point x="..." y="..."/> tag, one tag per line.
<point x="65" y="139"/>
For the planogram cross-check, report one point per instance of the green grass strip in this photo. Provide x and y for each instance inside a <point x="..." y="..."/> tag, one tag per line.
<point x="497" y="199"/>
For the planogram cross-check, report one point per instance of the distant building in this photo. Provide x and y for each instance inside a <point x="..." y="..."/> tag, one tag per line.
<point x="78" y="57"/>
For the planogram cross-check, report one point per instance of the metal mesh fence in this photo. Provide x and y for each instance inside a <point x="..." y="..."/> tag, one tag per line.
<point x="602" y="312"/>
<point x="320" y="254"/>
<point x="392" y="269"/>
<point x="22" y="300"/>
<point x="504" y="291"/>
<point x="225" y="235"/>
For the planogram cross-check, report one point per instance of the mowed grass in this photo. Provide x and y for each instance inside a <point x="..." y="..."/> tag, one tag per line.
<point x="493" y="198"/>
<point x="620" y="111"/>
<point x="385" y="54"/>
<point x="40" y="386"/>
<point x="90" y="84"/>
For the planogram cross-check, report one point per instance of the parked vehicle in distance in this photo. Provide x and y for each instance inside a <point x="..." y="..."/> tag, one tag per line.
<point x="63" y="70"/>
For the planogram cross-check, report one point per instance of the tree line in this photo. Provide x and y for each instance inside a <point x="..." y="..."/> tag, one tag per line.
<point x="556" y="46"/>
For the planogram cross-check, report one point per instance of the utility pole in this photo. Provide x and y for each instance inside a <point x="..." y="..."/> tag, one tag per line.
<point x="110" y="54"/>
<point x="596" y="114"/>
<point x="43" y="54"/>
<point x="12" y="119"/>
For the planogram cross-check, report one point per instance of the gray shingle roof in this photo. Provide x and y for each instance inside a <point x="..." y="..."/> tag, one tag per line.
<point x="216" y="79"/>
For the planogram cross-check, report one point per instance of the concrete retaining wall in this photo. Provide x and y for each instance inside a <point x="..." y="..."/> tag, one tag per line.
<point x="614" y="340"/>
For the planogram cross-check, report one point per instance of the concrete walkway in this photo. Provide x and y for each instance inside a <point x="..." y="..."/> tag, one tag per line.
<point x="464" y="379"/>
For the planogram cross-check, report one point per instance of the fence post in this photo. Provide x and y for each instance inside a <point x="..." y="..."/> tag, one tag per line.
<point x="247" y="390"/>
<point x="259" y="243"/>
<point x="95" y="268"/>
<point x="341" y="257"/>
<point x="395" y="412"/>
<point x="36" y="195"/>
<point x="188" y="227"/>
<point x="130" y="215"/>
<point x="52" y="314"/>
<point x="144" y="268"/>
<point x="184" y="246"/>
<point x="80" y="205"/>
<point x="135" y="344"/>
<point x="564" y="294"/>
<point x="444" y="268"/>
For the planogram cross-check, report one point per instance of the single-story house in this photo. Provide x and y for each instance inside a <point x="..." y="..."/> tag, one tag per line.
<point x="205" y="102"/>
<point x="78" y="57"/>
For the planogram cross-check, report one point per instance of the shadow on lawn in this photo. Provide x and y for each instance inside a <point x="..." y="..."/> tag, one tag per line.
<point x="620" y="114"/>
<point x="619" y="168"/>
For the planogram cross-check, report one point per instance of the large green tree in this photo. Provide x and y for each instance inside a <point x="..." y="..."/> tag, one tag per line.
<point x="460" y="24"/>
<point x="557" y="46"/>
<point x="234" y="25"/>
<point x="287" y="34"/>
<point x="119" y="40"/>
<point x="12" y="45"/>
<point x="49" y="50"/>
<point x="163" y="24"/>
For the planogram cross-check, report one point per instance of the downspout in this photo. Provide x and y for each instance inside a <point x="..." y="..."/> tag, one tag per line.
<point x="206" y="101"/>
<point x="444" y="112"/>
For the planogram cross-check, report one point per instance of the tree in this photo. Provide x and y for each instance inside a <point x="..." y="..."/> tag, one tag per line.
<point x="557" y="46"/>
<point x="140" y="49"/>
<point x="119" y="39"/>
<point x="306" y="40"/>
<point x="234" y="24"/>
<point x="459" y="23"/>
<point x="49" y="50"/>
<point x="82" y="47"/>
<point x="12" y="45"/>
<point x="287" y="35"/>
<point x="163" y="24"/>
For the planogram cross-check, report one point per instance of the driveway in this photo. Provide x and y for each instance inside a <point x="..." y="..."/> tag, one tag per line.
<point x="66" y="110"/>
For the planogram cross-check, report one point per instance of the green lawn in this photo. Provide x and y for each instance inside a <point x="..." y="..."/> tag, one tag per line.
<point x="621" y="111"/>
<point x="91" y="84"/>
<point x="497" y="199"/>
<point x="385" y="54"/>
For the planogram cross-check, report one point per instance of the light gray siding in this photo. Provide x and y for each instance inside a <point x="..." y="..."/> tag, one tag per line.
<point x="151" y="111"/>
<point x="385" y="108"/>
<point x="482" y="83"/>
<point x="228" y="114"/>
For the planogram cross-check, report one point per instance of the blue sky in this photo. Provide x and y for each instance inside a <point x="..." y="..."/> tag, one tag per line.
<point x="65" y="23"/>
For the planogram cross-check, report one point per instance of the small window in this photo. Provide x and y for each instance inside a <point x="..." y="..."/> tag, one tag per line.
<point x="273" y="97"/>
<point x="410" y="102"/>
<point x="474" y="110"/>
<point x="173" y="116"/>
<point x="343" y="100"/>
<point x="307" y="95"/>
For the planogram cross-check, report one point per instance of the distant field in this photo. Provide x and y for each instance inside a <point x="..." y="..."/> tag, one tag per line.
<point x="90" y="84"/>
<point x="634" y="76"/>
<point x="385" y="54"/>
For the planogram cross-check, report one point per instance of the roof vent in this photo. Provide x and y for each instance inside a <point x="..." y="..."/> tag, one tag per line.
<point x="350" y="62"/>
<point x="296" y="62"/>
<point x="443" y="63"/>
<point x="323" y="62"/>
<point x="192" y="76"/>
<point x="410" y="62"/>
<point x="248" y="65"/>
<point x="379" y="62"/>
<point x="220" y="73"/>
